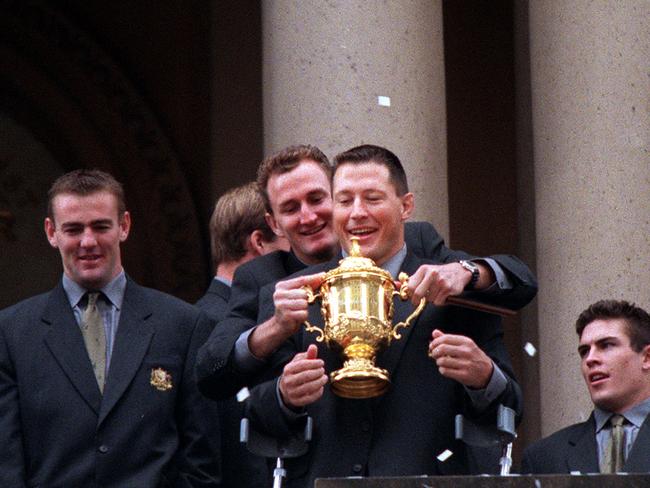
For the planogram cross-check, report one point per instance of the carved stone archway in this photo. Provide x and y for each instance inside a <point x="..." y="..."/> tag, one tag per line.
<point x="68" y="105"/>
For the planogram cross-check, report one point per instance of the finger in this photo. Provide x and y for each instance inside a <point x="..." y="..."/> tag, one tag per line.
<point x="305" y="377"/>
<point x="294" y="376"/>
<point x="313" y="281"/>
<point x="311" y="398"/>
<point x="292" y="317"/>
<point x="284" y="304"/>
<point x="301" y="363"/>
<point x="438" y="338"/>
<point x="471" y="375"/>
<point x="420" y="285"/>
<point x="438" y="296"/>
<point x="300" y="394"/>
<point x="290" y="295"/>
<point x="422" y="291"/>
<point x="308" y="398"/>
<point x="452" y="339"/>
<point x="453" y="363"/>
<point x="312" y="351"/>
<point x="452" y="374"/>
<point x="439" y="290"/>
<point x="416" y="278"/>
<point x="444" y="350"/>
<point x="451" y="345"/>
<point x="417" y="287"/>
<point x="302" y="356"/>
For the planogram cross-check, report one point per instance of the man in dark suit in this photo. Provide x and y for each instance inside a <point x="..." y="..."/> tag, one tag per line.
<point x="450" y="360"/>
<point x="614" y="347"/>
<point x="238" y="234"/>
<point x="96" y="376"/>
<point x="295" y="184"/>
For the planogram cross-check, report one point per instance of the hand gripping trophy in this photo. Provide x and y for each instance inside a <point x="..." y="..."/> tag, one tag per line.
<point x="357" y="308"/>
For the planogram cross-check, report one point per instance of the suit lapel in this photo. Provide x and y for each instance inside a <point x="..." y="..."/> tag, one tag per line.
<point x="638" y="460"/>
<point x="582" y="454"/>
<point x="131" y="344"/>
<point x="65" y="341"/>
<point x="389" y="358"/>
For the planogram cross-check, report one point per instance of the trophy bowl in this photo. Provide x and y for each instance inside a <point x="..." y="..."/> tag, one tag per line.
<point x="357" y="309"/>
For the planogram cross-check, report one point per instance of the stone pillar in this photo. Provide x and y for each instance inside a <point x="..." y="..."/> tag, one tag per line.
<point x="591" y="122"/>
<point x="326" y="63"/>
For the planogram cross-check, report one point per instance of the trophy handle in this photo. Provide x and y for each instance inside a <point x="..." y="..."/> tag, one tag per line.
<point x="311" y="298"/>
<point x="404" y="293"/>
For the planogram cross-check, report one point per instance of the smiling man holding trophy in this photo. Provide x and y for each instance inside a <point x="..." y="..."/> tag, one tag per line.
<point x="448" y="359"/>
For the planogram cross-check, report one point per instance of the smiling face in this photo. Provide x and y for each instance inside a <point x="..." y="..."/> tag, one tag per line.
<point x="302" y="211"/>
<point x="87" y="232"/>
<point x="617" y="376"/>
<point x="367" y="206"/>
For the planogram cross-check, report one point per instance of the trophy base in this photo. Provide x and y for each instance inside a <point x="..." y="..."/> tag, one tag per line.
<point x="353" y="382"/>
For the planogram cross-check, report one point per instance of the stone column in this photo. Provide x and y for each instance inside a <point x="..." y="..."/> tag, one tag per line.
<point x="591" y="122"/>
<point x="326" y="65"/>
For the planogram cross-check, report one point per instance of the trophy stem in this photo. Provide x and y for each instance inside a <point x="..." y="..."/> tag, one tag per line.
<point x="359" y="377"/>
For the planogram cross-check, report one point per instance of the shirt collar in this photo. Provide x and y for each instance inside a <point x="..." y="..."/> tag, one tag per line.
<point x="223" y="280"/>
<point x="635" y="415"/>
<point x="114" y="290"/>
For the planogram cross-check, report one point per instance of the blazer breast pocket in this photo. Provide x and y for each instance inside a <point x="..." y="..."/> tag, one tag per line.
<point x="164" y="374"/>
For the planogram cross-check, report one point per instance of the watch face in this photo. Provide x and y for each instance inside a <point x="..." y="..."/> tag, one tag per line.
<point x="469" y="266"/>
<point x="472" y="268"/>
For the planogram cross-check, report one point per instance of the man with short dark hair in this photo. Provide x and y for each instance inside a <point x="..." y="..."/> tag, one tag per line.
<point x="614" y="349"/>
<point x="96" y="376"/>
<point x="295" y="186"/>
<point x="449" y="361"/>
<point x="238" y="233"/>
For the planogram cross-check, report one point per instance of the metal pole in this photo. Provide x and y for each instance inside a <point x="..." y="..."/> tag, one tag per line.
<point x="506" y="460"/>
<point x="278" y="473"/>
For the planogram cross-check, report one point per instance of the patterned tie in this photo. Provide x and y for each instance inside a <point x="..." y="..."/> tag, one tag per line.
<point x="92" y="328"/>
<point x="614" y="458"/>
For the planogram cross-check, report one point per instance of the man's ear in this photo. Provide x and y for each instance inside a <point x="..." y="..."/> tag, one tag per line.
<point x="50" y="232"/>
<point x="256" y="242"/>
<point x="408" y="205"/>
<point x="646" y="358"/>
<point x="270" y="219"/>
<point x="125" y="226"/>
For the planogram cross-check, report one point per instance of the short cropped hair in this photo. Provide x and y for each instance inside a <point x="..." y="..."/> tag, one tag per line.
<point x="237" y="214"/>
<point x="368" y="153"/>
<point x="286" y="160"/>
<point x="637" y="319"/>
<point x="84" y="182"/>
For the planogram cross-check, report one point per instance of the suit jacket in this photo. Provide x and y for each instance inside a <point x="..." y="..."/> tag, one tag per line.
<point x="574" y="448"/>
<point x="239" y="468"/>
<point x="58" y="430"/>
<point x="402" y="432"/>
<point x="217" y="374"/>
<point x="215" y="300"/>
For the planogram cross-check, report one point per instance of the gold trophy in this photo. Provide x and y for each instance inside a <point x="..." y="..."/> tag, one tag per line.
<point x="357" y="308"/>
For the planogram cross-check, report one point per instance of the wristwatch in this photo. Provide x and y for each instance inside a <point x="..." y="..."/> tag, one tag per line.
<point x="472" y="268"/>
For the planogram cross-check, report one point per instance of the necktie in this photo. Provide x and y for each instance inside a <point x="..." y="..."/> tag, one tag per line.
<point x="92" y="328"/>
<point x="615" y="450"/>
